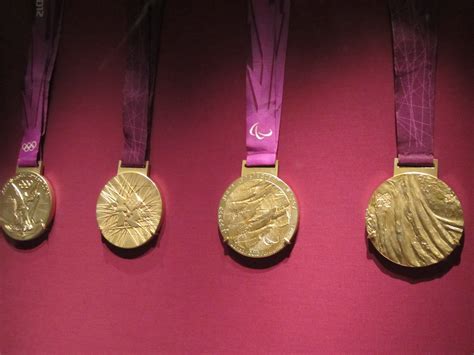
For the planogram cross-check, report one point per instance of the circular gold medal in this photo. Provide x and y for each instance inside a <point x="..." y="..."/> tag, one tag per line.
<point x="129" y="210"/>
<point x="26" y="206"/>
<point x="414" y="219"/>
<point x="258" y="215"/>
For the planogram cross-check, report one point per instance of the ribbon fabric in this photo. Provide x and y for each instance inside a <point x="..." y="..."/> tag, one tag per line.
<point x="42" y="57"/>
<point x="414" y="24"/>
<point x="268" y="21"/>
<point x="139" y="86"/>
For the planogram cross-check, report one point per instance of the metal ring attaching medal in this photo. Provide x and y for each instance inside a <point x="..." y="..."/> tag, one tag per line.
<point x="258" y="214"/>
<point x="414" y="219"/>
<point x="129" y="208"/>
<point x="26" y="204"/>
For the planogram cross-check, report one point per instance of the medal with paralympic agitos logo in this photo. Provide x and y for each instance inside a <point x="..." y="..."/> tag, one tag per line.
<point x="27" y="199"/>
<point x="129" y="207"/>
<point x="414" y="219"/>
<point x="258" y="213"/>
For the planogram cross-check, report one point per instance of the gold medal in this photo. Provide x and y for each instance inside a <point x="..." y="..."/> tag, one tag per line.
<point x="258" y="214"/>
<point x="129" y="208"/>
<point x="414" y="219"/>
<point x="26" y="204"/>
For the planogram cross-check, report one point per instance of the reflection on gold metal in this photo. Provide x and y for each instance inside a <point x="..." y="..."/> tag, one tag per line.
<point x="414" y="219"/>
<point x="26" y="205"/>
<point x="129" y="210"/>
<point x="258" y="215"/>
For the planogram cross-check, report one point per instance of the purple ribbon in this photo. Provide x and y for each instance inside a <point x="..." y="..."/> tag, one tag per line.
<point x="42" y="56"/>
<point x="139" y="86"/>
<point x="414" y="54"/>
<point x="265" y="75"/>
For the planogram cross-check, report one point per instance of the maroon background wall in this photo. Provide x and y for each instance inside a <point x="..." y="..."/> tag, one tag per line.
<point x="186" y="294"/>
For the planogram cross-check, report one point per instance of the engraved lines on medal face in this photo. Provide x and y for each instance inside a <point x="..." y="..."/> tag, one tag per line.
<point x="414" y="48"/>
<point x="414" y="220"/>
<point x="25" y="206"/>
<point x="256" y="218"/>
<point x="129" y="210"/>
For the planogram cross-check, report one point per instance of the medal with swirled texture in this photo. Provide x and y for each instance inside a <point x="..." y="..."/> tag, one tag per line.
<point x="258" y="214"/>
<point x="27" y="199"/>
<point x="129" y="208"/>
<point x="414" y="219"/>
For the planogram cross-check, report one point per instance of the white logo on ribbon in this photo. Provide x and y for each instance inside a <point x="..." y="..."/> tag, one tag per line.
<point x="28" y="146"/>
<point x="259" y="135"/>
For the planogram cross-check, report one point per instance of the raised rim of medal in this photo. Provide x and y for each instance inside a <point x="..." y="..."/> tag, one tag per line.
<point x="281" y="184"/>
<point x="52" y="202"/>
<point x="160" y="217"/>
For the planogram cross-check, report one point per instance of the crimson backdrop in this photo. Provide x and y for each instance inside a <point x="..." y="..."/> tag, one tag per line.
<point x="72" y="293"/>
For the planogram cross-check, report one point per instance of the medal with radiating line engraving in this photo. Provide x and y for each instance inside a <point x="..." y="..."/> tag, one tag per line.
<point x="129" y="210"/>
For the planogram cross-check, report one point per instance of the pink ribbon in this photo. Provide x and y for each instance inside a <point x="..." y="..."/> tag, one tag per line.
<point x="42" y="57"/>
<point x="265" y="75"/>
<point x="414" y="54"/>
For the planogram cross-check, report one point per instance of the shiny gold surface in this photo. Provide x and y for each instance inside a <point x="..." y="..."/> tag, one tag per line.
<point x="26" y="206"/>
<point x="129" y="210"/>
<point x="258" y="215"/>
<point x="414" y="219"/>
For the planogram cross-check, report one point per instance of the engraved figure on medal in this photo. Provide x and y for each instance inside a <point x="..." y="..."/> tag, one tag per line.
<point x="414" y="220"/>
<point x="129" y="210"/>
<point x="26" y="206"/>
<point x="258" y="215"/>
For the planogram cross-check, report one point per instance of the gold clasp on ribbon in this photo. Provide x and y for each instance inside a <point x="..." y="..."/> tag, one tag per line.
<point x="133" y="169"/>
<point x="430" y="170"/>
<point x="247" y="170"/>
